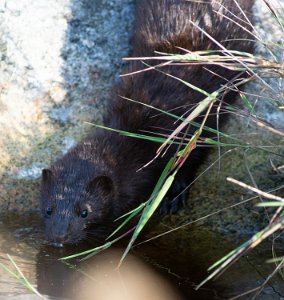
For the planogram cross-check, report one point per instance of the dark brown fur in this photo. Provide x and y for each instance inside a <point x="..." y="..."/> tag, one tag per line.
<point x="100" y="176"/>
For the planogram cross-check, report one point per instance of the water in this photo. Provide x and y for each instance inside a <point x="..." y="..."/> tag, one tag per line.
<point x="175" y="263"/>
<point x="18" y="238"/>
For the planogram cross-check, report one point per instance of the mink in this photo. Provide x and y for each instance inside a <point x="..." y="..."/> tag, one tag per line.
<point x="105" y="175"/>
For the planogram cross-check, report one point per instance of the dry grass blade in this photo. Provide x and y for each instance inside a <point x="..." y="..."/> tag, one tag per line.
<point x="235" y="61"/>
<point x="274" y="12"/>
<point x="253" y="189"/>
<point x="207" y="102"/>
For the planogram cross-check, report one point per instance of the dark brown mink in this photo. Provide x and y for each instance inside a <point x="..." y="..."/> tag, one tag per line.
<point x="97" y="181"/>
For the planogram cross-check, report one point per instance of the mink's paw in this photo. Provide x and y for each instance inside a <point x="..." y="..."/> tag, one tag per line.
<point x="174" y="199"/>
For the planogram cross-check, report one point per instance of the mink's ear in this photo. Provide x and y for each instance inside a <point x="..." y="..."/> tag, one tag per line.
<point x="102" y="185"/>
<point x="47" y="175"/>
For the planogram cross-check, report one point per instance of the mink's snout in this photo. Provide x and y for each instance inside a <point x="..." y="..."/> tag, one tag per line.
<point x="57" y="231"/>
<point x="57" y="239"/>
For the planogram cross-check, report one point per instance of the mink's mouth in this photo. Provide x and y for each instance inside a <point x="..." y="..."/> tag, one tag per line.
<point x="55" y="244"/>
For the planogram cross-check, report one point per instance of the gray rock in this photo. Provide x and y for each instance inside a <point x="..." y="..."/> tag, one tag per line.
<point x="58" y="63"/>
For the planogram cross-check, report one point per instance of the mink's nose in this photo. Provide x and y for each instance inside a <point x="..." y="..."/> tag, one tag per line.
<point x="60" y="238"/>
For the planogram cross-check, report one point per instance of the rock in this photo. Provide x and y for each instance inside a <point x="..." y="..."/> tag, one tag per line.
<point x="58" y="62"/>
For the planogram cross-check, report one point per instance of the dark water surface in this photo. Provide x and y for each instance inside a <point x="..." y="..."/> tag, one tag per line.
<point x="167" y="268"/>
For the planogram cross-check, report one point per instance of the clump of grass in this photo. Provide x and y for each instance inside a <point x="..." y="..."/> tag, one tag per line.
<point x="266" y="70"/>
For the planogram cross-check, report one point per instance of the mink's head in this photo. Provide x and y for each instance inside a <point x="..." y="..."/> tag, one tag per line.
<point x="75" y="202"/>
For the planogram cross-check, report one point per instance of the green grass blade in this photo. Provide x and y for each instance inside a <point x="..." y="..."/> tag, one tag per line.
<point x="132" y="215"/>
<point x="188" y="147"/>
<point x="229" y="255"/>
<point x="141" y="206"/>
<point x="246" y="101"/>
<point x="148" y="212"/>
<point x="13" y="274"/>
<point x="130" y="134"/>
<point x="195" y="124"/>
<point x="138" y="208"/>
<point x="216" y="143"/>
<point x="160" y="139"/>
<point x="202" y="105"/>
<point x="157" y="187"/>
<point x="162" y="177"/>
<point x="93" y="251"/>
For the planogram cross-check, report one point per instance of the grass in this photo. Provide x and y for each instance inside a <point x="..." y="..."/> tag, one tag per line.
<point x="276" y="223"/>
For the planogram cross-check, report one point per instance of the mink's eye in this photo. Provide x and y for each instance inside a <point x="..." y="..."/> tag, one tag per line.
<point x="84" y="213"/>
<point x="49" y="211"/>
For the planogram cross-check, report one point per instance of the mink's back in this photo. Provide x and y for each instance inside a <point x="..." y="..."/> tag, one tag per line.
<point x="167" y="26"/>
<point x="163" y="25"/>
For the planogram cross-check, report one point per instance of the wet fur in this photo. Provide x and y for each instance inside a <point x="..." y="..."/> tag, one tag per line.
<point x="100" y="174"/>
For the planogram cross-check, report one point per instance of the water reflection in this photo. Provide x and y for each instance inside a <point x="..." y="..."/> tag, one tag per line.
<point x="98" y="278"/>
<point x="176" y="262"/>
